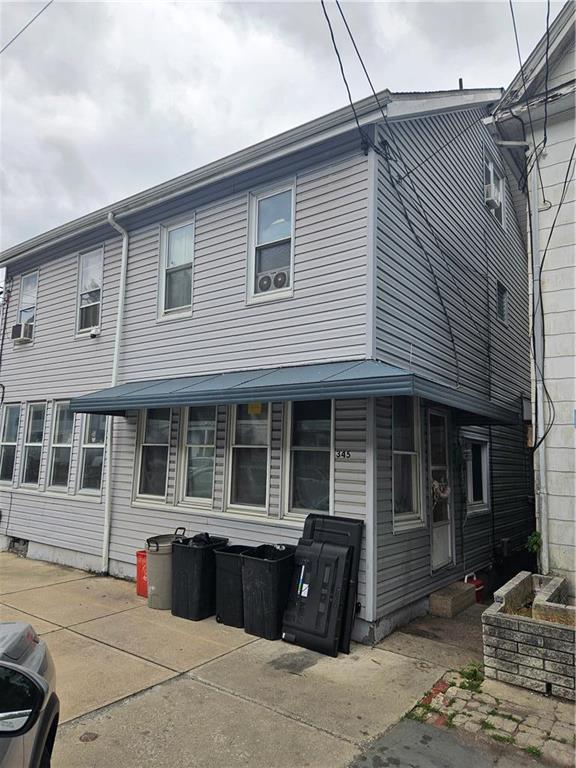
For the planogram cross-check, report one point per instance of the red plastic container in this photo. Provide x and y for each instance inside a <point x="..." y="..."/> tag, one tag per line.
<point x="478" y="585"/>
<point x="141" y="574"/>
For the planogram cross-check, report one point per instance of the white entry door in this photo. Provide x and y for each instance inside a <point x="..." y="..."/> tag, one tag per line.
<point x="440" y="489"/>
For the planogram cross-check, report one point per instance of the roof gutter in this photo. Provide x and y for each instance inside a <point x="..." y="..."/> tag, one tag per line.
<point x="113" y="381"/>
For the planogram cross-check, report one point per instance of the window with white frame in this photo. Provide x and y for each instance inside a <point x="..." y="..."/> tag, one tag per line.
<point x="271" y="244"/>
<point x="61" y="448"/>
<point x="502" y="302"/>
<point x="90" y="289"/>
<point x="494" y="190"/>
<point x="10" y="424"/>
<point x="93" y="443"/>
<point x="310" y="455"/>
<point x="154" y="452"/>
<point x="407" y="497"/>
<point x="34" y="438"/>
<point x="28" y="298"/>
<point x="177" y="256"/>
<point x="249" y="455"/>
<point x="200" y="442"/>
<point x="476" y="456"/>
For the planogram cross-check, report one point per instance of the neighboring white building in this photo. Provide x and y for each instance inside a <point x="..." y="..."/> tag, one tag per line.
<point x="539" y="107"/>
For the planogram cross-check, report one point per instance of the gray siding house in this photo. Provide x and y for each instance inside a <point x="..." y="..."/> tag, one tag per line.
<point x="334" y="320"/>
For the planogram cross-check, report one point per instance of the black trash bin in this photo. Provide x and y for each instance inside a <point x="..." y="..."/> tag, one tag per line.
<point x="194" y="576"/>
<point x="266" y="577"/>
<point x="229" y="599"/>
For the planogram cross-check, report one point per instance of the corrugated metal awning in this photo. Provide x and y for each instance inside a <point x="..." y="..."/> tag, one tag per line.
<point x="350" y="379"/>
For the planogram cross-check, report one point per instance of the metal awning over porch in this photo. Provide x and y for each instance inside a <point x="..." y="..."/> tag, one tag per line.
<point x="346" y="380"/>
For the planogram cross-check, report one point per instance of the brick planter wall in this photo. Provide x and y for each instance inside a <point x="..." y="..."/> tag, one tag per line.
<point x="529" y="652"/>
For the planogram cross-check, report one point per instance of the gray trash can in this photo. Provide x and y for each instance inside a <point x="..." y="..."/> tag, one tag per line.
<point x="159" y="568"/>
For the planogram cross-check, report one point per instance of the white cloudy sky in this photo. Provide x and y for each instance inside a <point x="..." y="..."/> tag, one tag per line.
<point x="101" y="99"/>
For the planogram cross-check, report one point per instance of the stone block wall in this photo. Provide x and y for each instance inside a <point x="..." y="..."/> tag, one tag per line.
<point x="529" y="652"/>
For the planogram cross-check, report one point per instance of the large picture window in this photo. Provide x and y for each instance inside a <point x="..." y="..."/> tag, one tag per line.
<point x="93" y="442"/>
<point x="310" y="454"/>
<point x="10" y="424"/>
<point x="33" y="443"/>
<point x="61" y="446"/>
<point x="272" y="243"/>
<point x="407" y="501"/>
<point x="154" y="452"/>
<point x="200" y="447"/>
<point x="177" y="260"/>
<point x="249" y="460"/>
<point x="90" y="289"/>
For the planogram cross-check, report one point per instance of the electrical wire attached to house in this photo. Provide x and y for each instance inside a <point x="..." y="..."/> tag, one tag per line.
<point x="25" y="27"/>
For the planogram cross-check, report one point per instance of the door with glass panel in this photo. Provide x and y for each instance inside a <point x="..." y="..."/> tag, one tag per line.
<point x="440" y="489"/>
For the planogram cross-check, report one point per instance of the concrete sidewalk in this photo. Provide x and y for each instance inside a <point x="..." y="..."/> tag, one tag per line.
<point x="143" y="688"/>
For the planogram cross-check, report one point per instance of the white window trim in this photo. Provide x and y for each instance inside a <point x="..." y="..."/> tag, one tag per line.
<point x="287" y="510"/>
<point x="245" y="508"/>
<point x="53" y="444"/>
<point x="15" y="443"/>
<point x="165" y="228"/>
<point x="417" y="520"/>
<point x="253" y="197"/>
<point x="94" y="492"/>
<point x="148" y="497"/>
<point x="26" y="444"/>
<point x="23" y="276"/>
<point x="494" y="166"/>
<point x="195" y="501"/>
<point x="86" y="331"/>
<point x="478" y="507"/>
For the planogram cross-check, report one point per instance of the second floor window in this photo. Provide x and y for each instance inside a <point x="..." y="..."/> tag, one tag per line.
<point x="177" y="256"/>
<point x="90" y="290"/>
<point x="28" y="294"/>
<point x="8" y="443"/>
<point x="61" y="446"/>
<point x="33" y="443"/>
<point x="494" y="190"/>
<point x="271" y="245"/>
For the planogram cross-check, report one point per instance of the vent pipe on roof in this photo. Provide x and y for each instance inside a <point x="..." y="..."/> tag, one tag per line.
<point x="113" y="381"/>
<point x="460" y="84"/>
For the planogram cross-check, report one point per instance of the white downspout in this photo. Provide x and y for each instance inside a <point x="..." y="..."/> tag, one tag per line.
<point x="113" y="381"/>
<point x="538" y="334"/>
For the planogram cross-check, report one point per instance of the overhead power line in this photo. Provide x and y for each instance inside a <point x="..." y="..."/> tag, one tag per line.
<point x="25" y="27"/>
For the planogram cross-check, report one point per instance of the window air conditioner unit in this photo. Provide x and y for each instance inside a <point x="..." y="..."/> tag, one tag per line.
<point x="492" y="196"/>
<point x="272" y="280"/>
<point x="22" y="333"/>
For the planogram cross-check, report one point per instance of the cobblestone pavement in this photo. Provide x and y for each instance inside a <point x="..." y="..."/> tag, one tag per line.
<point x="545" y="733"/>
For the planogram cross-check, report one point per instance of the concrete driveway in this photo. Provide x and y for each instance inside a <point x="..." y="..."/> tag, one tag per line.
<point x="143" y="688"/>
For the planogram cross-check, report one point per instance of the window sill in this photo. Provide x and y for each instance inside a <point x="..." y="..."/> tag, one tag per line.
<point x="184" y="314"/>
<point x="476" y="509"/>
<point x="233" y="514"/>
<point x="264" y="298"/>
<point x="411" y="524"/>
<point x="87" y="334"/>
<point x="35" y="491"/>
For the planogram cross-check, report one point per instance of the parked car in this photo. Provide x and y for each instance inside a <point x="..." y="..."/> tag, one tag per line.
<point x="29" y="706"/>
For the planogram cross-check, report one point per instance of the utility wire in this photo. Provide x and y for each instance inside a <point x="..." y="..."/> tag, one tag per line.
<point x="424" y="213"/>
<point x="527" y="100"/>
<point x="386" y="157"/>
<point x="539" y="303"/>
<point x="25" y="27"/>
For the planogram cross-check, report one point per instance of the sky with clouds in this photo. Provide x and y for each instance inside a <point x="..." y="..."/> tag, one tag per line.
<point x="100" y="100"/>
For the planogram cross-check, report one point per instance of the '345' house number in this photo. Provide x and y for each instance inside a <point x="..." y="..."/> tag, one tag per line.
<point x="343" y="454"/>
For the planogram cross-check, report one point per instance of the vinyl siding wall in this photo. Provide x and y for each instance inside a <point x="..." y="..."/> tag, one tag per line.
<point x="559" y="306"/>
